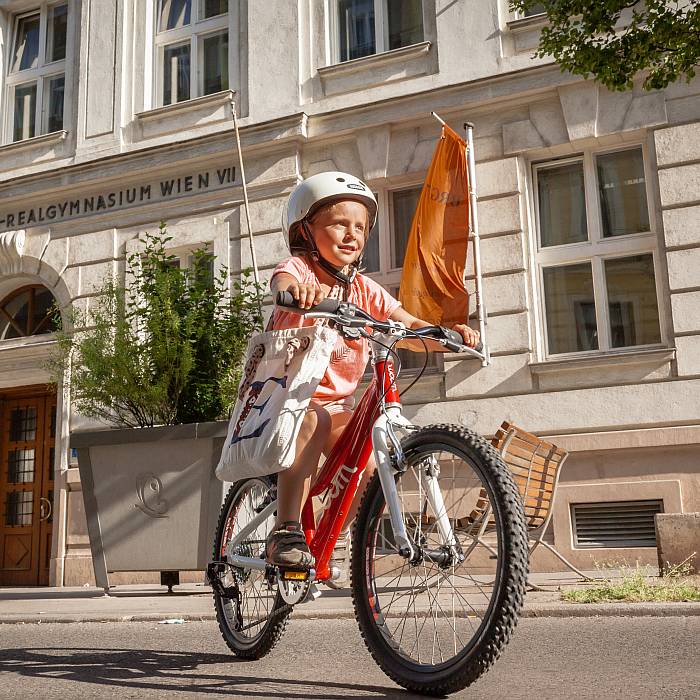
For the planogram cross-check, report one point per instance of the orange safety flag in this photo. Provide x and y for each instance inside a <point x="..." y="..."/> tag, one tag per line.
<point x="432" y="283"/>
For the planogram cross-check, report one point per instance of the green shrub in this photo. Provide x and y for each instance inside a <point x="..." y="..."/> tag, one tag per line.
<point x="164" y="348"/>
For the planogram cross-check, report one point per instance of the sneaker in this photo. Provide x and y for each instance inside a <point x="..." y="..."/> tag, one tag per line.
<point x="286" y="546"/>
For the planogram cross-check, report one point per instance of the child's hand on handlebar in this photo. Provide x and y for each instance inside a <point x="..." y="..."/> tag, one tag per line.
<point x="306" y="295"/>
<point x="471" y="337"/>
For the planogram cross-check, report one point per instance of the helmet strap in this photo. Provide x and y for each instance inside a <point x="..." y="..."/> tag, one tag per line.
<point x="313" y="251"/>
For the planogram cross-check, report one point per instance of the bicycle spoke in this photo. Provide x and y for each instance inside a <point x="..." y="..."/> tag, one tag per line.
<point x="436" y="611"/>
<point x="257" y="603"/>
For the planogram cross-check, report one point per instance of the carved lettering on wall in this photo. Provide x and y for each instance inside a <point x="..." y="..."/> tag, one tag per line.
<point x="118" y="199"/>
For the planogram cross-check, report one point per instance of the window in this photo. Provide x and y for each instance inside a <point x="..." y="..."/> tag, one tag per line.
<point x="386" y="248"/>
<point x="596" y="254"/>
<point x="194" y="260"/>
<point x="36" y="76"/>
<point x="191" y="49"/>
<point x="536" y="9"/>
<point x="28" y="311"/>
<point x="366" y="27"/>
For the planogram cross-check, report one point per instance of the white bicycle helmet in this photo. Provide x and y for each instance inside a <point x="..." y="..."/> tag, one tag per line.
<point x="317" y="190"/>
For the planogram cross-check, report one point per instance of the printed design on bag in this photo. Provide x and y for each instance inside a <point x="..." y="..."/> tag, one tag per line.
<point x="340" y="353"/>
<point x="294" y="346"/>
<point x="249" y="370"/>
<point x="255" y="391"/>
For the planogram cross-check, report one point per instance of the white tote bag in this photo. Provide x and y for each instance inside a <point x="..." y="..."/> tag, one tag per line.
<point x="282" y="371"/>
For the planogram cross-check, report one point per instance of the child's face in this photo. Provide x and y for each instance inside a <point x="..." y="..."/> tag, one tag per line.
<point x="340" y="231"/>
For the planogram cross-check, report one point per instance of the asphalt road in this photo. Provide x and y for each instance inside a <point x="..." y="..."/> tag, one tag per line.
<point x="579" y="658"/>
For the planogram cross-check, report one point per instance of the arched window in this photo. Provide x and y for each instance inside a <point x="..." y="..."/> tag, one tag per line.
<point x="27" y="311"/>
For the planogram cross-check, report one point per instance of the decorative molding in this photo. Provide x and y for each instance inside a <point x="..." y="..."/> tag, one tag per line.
<point x="34" y="142"/>
<point x="189" y="115"/>
<point x="377" y="69"/>
<point x="635" y="438"/>
<point x="373" y="148"/>
<point x="524" y="24"/>
<point x="216" y="100"/>
<point x="584" y="111"/>
<point x="11" y="250"/>
<point x="375" y="60"/>
<point x="521" y="136"/>
<point x="654" y="357"/>
<point x="579" y="102"/>
<point x="26" y="360"/>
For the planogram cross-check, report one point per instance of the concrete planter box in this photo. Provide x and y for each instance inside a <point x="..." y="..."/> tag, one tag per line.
<point x="678" y="539"/>
<point x="151" y="497"/>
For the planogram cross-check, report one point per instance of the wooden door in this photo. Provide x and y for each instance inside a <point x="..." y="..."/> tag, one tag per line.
<point x="27" y="439"/>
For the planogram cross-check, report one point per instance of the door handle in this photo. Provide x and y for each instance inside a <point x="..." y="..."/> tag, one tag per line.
<point x="45" y="509"/>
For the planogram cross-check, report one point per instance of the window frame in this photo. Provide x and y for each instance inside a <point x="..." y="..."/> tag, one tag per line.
<point x="388" y="275"/>
<point x="381" y="38"/>
<point x="193" y="34"/>
<point x="595" y="250"/>
<point x="39" y="76"/>
<point x="524" y="15"/>
<point x="33" y="290"/>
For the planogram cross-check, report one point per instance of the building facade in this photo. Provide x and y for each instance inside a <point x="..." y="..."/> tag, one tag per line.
<point x="115" y="115"/>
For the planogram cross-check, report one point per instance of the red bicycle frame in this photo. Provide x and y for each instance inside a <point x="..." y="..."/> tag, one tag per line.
<point x="342" y="470"/>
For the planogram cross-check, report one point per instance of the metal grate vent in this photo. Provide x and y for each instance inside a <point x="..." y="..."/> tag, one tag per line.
<point x="619" y="524"/>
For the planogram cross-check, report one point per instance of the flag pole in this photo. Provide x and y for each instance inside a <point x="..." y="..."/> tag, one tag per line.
<point x="246" y="206"/>
<point x="474" y="235"/>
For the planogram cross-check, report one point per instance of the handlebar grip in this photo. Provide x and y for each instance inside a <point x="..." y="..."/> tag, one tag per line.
<point x="286" y="300"/>
<point x="455" y="342"/>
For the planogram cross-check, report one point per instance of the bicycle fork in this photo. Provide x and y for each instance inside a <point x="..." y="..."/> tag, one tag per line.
<point x="382" y="435"/>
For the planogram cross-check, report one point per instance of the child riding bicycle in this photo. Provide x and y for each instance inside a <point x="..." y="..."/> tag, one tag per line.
<point x="327" y="222"/>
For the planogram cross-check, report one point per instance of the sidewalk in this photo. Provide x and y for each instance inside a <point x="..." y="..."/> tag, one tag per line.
<point x="152" y="603"/>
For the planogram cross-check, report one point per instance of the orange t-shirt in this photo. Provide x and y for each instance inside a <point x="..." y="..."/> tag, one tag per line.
<point x="349" y="357"/>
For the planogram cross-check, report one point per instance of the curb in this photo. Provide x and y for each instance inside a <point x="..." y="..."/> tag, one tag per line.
<point x="542" y="611"/>
<point x="614" y="610"/>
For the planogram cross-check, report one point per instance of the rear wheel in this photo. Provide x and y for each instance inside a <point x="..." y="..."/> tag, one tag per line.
<point x="252" y="615"/>
<point x="438" y="622"/>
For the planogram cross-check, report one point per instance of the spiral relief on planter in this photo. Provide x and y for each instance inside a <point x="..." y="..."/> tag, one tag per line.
<point x="149" y="490"/>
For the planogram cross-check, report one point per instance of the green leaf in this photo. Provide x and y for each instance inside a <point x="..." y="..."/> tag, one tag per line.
<point x="614" y="41"/>
<point x="166" y="347"/>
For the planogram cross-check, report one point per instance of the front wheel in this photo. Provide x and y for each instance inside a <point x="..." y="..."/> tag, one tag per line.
<point x="436" y="623"/>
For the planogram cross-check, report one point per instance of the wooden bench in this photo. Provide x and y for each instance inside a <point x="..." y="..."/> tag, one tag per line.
<point x="535" y="465"/>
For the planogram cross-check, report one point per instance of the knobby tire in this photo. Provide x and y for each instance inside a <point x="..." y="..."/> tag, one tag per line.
<point x="508" y="585"/>
<point x="271" y="629"/>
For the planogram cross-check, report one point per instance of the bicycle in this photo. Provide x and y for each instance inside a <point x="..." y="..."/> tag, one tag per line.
<point x="437" y="575"/>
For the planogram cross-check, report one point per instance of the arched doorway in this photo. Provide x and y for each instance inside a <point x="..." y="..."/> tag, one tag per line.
<point x="27" y="443"/>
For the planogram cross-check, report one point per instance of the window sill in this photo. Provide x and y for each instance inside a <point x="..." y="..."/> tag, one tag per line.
<point x="524" y="32"/>
<point x="651" y="358"/>
<point x="377" y="69"/>
<point x="410" y="373"/>
<point x="29" y="341"/>
<point x="526" y="24"/>
<point x="35" y="142"/>
<point x="182" y="116"/>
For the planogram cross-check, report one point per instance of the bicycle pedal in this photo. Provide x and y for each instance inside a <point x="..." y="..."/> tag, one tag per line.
<point x="294" y="575"/>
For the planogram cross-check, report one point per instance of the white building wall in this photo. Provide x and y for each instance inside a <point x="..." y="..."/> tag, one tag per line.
<point x="300" y="114"/>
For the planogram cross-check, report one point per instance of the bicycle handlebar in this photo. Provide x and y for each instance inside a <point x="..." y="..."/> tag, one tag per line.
<point x="286" y="300"/>
<point x="452" y="340"/>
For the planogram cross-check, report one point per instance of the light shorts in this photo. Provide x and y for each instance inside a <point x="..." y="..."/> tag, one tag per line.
<point x="344" y="405"/>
